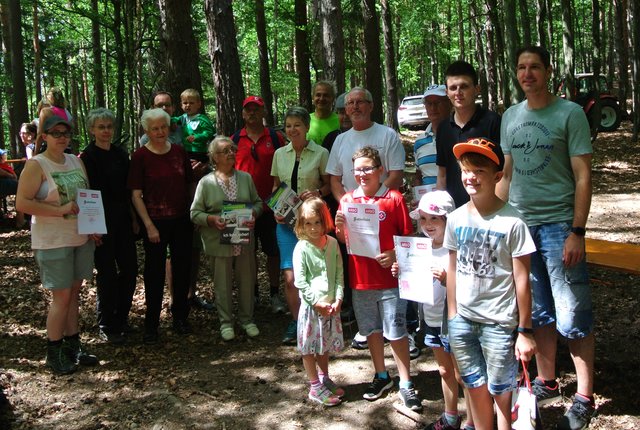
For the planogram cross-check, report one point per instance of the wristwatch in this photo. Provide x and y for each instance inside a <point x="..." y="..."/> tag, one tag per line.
<point x="579" y="231"/>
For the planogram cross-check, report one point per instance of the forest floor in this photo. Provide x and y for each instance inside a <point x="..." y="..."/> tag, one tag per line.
<point x="201" y="382"/>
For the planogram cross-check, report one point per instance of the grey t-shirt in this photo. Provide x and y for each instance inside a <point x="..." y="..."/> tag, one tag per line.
<point x="541" y="143"/>
<point x="486" y="246"/>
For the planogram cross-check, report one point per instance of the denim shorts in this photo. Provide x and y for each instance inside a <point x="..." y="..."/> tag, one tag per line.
<point x="560" y="294"/>
<point x="59" y="267"/>
<point x="433" y="338"/>
<point x="485" y="354"/>
<point x="380" y="311"/>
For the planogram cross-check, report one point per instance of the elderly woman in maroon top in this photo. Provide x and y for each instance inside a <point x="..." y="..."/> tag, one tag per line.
<point x="162" y="188"/>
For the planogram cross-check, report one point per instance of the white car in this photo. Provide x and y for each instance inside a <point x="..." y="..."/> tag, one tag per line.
<point x="412" y="114"/>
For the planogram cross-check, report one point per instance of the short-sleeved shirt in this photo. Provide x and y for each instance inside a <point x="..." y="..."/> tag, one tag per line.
<point x="366" y="273"/>
<point x="320" y="127"/>
<point x="380" y="137"/>
<point x="424" y="152"/>
<point x="260" y="169"/>
<point x="164" y="180"/>
<point x="313" y="165"/>
<point x="483" y="123"/>
<point x="541" y="143"/>
<point x="486" y="246"/>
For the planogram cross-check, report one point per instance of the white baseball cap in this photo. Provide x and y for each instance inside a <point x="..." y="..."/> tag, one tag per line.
<point x="436" y="202"/>
<point x="435" y="90"/>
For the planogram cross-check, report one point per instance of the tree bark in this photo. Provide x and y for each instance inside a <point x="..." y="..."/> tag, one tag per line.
<point x="541" y="18"/>
<point x="180" y="47"/>
<point x="568" y="49"/>
<point x="635" y="37"/>
<point x="373" y="75"/>
<point x="525" y="22"/>
<point x="514" y="93"/>
<point x="595" y="29"/>
<point x="302" y="55"/>
<point x="37" y="53"/>
<point x="497" y="59"/>
<point x="18" y="112"/>
<point x="622" y="51"/>
<point x="460" y="30"/>
<point x="96" y="48"/>
<point x="390" y="65"/>
<point x="333" y="43"/>
<point x="225" y="65"/>
<point x="263" y="53"/>
<point x="121" y="66"/>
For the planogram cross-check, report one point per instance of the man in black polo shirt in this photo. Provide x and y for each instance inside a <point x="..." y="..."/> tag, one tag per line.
<point x="467" y="120"/>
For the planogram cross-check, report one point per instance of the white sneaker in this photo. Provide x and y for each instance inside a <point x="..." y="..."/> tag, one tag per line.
<point x="277" y="304"/>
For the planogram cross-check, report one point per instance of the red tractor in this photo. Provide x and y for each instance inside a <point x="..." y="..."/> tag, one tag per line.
<point x="611" y="114"/>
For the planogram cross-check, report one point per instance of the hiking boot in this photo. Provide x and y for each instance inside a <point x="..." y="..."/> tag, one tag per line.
<point x="277" y="304"/>
<point x="323" y="396"/>
<point x="74" y="350"/>
<point x="414" y="351"/>
<point x="377" y="388"/>
<point x="443" y="424"/>
<point x="291" y="334"/>
<point x="410" y="399"/>
<point x="578" y="416"/>
<point x="544" y="394"/>
<point x="58" y="359"/>
<point x="333" y="387"/>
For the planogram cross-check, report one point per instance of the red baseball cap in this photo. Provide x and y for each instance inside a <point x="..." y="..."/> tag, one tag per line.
<point x="253" y="99"/>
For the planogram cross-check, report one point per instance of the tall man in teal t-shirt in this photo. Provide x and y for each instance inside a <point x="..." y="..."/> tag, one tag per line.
<point x="547" y="177"/>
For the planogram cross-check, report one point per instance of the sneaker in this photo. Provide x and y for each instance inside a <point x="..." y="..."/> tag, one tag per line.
<point x="227" y="333"/>
<point x="443" y="424"/>
<point x="291" y="334"/>
<point x="198" y="302"/>
<point x="277" y="305"/>
<point x="323" y="396"/>
<point x="113" y="338"/>
<point x="545" y="395"/>
<point x="578" y="416"/>
<point x="414" y="351"/>
<point x="58" y="359"/>
<point x="359" y="342"/>
<point x="377" y="388"/>
<point x="251" y="329"/>
<point x="333" y="387"/>
<point x="410" y="399"/>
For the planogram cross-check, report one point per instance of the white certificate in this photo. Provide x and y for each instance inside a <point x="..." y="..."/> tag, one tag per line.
<point x="421" y="190"/>
<point x="415" y="280"/>
<point x="363" y="228"/>
<point x="91" y="216"/>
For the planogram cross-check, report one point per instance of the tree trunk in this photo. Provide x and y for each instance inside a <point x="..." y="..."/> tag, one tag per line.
<point x="180" y="47"/>
<point x="514" y="92"/>
<point x="333" y="42"/>
<point x="390" y="65"/>
<point x="225" y="65"/>
<point x="37" y="54"/>
<point x="263" y="53"/>
<point x="525" y="22"/>
<point x="96" y="48"/>
<point x="497" y="59"/>
<point x="622" y="51"/>
<point x="460" y="30"/>
<point x="302" y="55"/>
<point x="373" y="75"/>
<point x="18" y="112"/>
<point x="541" y="17"/>
<point x="484" y="51"/>
<point x="568" y="48"/>
<point x="120" y="64"/>
<point x="596" y="113"/>
<point x="635" y="37"/>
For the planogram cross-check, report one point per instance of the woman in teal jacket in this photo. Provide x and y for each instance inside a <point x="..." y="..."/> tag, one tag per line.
<point x="227" y="261"/>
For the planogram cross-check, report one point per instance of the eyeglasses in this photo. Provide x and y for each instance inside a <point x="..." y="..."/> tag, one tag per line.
<point x="361" y="171"/>
<point x="357" y="102"/>
<point x="59" y="134"/>
<point x="227" y="151"/>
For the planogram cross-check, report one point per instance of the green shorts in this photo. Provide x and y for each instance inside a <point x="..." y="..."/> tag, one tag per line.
<point x="59" y="267"/>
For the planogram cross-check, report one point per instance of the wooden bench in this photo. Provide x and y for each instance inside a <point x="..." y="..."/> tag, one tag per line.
<point x="624" y="257"/>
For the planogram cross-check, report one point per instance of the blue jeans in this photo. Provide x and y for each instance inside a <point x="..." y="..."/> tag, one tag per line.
<point x="560" y="294"/>
<point x="485" y="354"/>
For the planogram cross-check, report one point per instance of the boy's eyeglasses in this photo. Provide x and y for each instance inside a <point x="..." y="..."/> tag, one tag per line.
<point x="360" y="171"/>
<point x="59" y="134"/>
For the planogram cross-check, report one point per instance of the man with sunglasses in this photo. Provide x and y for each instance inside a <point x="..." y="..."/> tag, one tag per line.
<point x="256" y="145"/>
